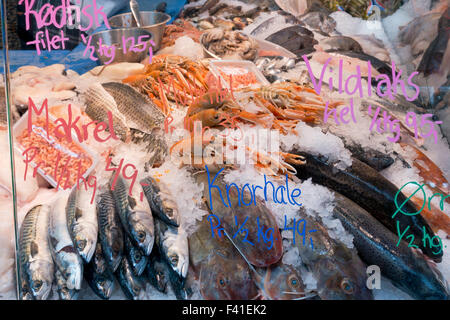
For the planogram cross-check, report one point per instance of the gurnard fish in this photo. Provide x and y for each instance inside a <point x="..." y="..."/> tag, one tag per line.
<point x="82" y="221"/>
<point x="133" y="286"/>
<point x="223" y="278"/>
<point x="35" y="258"/>
<point x="68" y="263"/>
<point x="279" y="281"/>
<point x="161" y="201"/>
<point x="110" y="230"/>
<point x="259" y="221"/>
<point x="98" y="275"/>
<point x="135" y="215"/>
<point x="282" y="282"/>
<point x="156" y="272"/>
<point x="63" y="291"/>
<point x="221" y="270"/>
<point x="136" y="257"/>
<point x="369" y="189"/>
<point x="407" y="268"/>
<point x="173" y="246"/>
<point x="340" y="273"/>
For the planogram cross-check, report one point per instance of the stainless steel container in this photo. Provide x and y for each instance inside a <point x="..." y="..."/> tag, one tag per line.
<point x="135" y="51"/>
<point x="153" y="21"/>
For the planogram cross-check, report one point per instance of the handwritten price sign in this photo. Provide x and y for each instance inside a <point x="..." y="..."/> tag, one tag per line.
<point x="383" y="123"/>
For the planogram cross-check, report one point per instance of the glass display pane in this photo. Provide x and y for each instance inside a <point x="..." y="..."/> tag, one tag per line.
<point x="209" y="150"/>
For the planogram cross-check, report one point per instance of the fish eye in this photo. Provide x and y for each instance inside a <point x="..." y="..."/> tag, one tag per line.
<point x="347" y="286"/>
<point x="37" y="284"/>
<point x="137" y="256"/>
<point x="81" y="244"/>
<point x="141" y="235"/>
<point x="293" y="281"/>
<point x="222" y="282"/>
<point x="174" y="260"/>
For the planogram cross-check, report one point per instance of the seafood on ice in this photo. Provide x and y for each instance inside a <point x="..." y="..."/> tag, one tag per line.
<point x="182" y="199"/>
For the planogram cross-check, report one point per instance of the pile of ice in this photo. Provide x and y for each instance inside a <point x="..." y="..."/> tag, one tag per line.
<point x="314" y="141"/>
<point x="184" y="190"/>
<point x="291" y="257"/>
<point x="184" y="46"/>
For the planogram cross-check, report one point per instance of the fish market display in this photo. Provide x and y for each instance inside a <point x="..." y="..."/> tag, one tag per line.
<point x="36" y="264"/>
<point x="270" y="150"/>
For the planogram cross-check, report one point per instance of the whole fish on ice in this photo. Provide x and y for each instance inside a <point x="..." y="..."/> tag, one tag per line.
<point x="408" y="269"/>
<point x="135" y="215"/>
<point x="173" y="245"/>
<point x="35" y="258"/>
<point x="110" y="230"/>
<point x="82" y="221"/>
<point x="68" y="262"/>
<point x="340" y="273"/>
<point x="99" y="277"/>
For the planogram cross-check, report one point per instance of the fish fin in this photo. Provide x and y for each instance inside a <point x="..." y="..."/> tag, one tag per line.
<point x="78" y="213"/>
<point x="34" y="248"/>
<point x="132" y="202"/>
<point x="305" y="297"/>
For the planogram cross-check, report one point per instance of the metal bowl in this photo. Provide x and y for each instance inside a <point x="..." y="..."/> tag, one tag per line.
<point x="116" y="37"/>
<point x="153" y="21"/>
